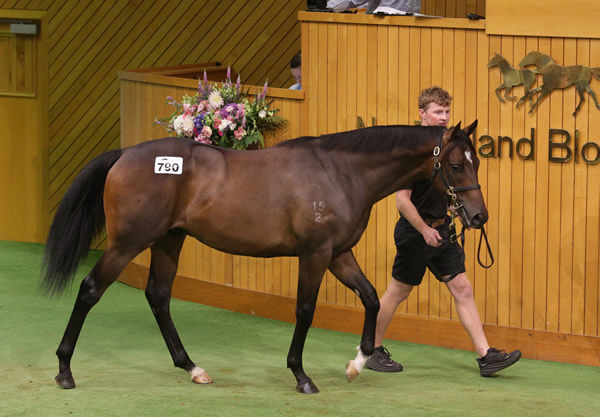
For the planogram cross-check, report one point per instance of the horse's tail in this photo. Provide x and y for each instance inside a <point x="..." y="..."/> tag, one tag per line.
<point x="596" y="72"/>
<point x="78" y="220"/>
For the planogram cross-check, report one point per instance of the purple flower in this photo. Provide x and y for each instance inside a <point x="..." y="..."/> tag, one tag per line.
<point x="199" y="121"/>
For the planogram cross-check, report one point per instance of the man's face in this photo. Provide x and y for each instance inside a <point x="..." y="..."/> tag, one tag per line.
<point x="435" y="115"/>
<point x="297" y="74"/>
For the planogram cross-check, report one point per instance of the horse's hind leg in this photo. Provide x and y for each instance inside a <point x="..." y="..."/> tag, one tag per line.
<point x="580" y="89"/>
<point x="104" y="273"/>
<point x="347" y="270"/>
<point x="163" y="266"/>
<point x="592" y="94"/>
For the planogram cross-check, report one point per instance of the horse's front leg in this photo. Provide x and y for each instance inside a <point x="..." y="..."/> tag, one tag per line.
<point x="507" y="90"/>
<point x="311" y="271"/>
<point x="498" y="92"/>
<point x="346" y="269"/>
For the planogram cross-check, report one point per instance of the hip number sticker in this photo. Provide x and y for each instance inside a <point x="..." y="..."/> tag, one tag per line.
<point x="168" y="165"/>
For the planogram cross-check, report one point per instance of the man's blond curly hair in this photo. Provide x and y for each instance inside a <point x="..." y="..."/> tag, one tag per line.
<point x="436" y="95"/>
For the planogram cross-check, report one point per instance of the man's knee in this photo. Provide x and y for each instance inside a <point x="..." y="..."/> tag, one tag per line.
<point x="460" y="287"/>
<point x="397" y="290"/>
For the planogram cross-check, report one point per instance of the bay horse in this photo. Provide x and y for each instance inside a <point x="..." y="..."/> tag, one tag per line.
<point x="556" y="76"/>
<point x="512" y="77"/>
<point x="308" y="197"/>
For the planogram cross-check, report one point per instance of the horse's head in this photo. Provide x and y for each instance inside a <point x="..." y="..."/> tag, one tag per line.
<point x="496" y="60"/>
<point x="455" y="173"/>
<point x="538" y="59"/>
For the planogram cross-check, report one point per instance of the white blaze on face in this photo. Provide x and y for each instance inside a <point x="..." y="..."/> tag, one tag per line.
<point x="468" y="156"/>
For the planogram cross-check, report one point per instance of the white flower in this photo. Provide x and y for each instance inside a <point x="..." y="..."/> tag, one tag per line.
<point x="225" y="124"/>
<point x="215" y="100"/>
<point x="183" y="125"/>
<point x="178" y="125"/>
<point x="262" y="114"/>
<point x="188" y="126"/>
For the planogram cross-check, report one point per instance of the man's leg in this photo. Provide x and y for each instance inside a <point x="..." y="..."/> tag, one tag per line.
<point x="381" y="360"/>
<point x="395" y="293"/>
<point x="462" y="291"/>
<point x="490" y="360"/>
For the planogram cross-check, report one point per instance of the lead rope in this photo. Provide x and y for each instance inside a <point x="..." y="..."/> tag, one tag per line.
<point x="489" y="249"/>
<point x="454" y="238"/>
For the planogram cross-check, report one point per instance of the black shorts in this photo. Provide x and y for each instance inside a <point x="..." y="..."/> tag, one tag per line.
<point x="413" y="255"/>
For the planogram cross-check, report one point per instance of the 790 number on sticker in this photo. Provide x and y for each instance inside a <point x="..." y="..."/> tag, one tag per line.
<point x="168" y="165"/>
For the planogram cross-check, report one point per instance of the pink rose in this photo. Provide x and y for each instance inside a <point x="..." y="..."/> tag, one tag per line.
<point x="239" y="133"/>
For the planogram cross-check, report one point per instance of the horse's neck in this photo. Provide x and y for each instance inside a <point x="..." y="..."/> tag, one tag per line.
<point x="390" y="172"/>
<point x="544" y="62"/>
<point x="504" y="65"/>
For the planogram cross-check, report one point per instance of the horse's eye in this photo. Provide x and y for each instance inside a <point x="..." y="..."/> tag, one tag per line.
<point x="456" y="167"/>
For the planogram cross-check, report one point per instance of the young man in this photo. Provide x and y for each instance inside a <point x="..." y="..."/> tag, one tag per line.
<point x="418" y="235"/>
<point x="296" y="70"/>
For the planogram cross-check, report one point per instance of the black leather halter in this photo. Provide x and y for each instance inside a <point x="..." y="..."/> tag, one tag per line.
<point x="456" y="205"/>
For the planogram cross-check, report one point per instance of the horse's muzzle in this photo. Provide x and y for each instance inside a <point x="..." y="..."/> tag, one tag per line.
<point x="477" y="221"/>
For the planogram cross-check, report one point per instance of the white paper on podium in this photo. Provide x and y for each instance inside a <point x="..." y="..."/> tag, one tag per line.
<point x="385" y="10"/>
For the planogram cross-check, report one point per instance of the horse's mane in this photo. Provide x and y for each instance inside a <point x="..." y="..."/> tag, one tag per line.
<point x="371" y="139"/>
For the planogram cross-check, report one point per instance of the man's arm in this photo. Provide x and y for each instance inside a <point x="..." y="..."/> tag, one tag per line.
<point x="408" y="210"/>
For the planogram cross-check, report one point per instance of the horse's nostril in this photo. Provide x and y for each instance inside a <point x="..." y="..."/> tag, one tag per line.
<point x="477" y="220"/>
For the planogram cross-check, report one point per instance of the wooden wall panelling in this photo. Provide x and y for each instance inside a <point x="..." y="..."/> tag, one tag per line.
<point x="483" y="77"/>
<point x="90" y="41"/>
<point x="567" y="180"/>
<point x="576" y="18"/>
<point x="592" y="214"/>
<point x="554" y="195"/>
<point x="579" y="227"/>
<point x="529" y="207"/>
<point x="504" y="203"/>
<point x="518" y="199"/>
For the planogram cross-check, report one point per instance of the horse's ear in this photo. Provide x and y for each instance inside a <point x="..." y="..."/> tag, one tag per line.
<point x="449" y="133"/>
<point x="471" y="128"/>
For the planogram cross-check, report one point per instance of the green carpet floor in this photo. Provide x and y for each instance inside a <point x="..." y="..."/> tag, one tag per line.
<point x="122" y="366"/>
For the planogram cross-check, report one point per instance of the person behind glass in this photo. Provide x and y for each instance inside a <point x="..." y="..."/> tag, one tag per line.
<point x="421" y="237"/>
<point x="296" y="69"/>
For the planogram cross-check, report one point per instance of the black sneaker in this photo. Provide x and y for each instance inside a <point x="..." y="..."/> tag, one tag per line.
<point x="381" y="361"/>
<point x="496" y="360"/>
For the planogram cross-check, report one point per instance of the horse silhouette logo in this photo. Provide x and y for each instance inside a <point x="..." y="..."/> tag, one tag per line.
<point x="554" y="76"/>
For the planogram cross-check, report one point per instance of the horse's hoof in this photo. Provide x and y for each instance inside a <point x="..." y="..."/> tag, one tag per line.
<point x="200" y="376"/>
<point x="307" y="388"/>
<point x="351" y="371"/>
<point x="65" y="380"/>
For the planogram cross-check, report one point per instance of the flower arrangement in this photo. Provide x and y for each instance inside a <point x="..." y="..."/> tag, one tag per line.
<point x="222" y="116"/>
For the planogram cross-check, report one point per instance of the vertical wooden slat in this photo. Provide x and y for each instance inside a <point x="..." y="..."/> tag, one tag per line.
<point x="483" y="87"/>
<point x="504" y="204"/>
<point x="541" y="215"/>
<point x="517" y="200"/>
<point x="592" y="214"/>
<point x="579" y="222"/>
